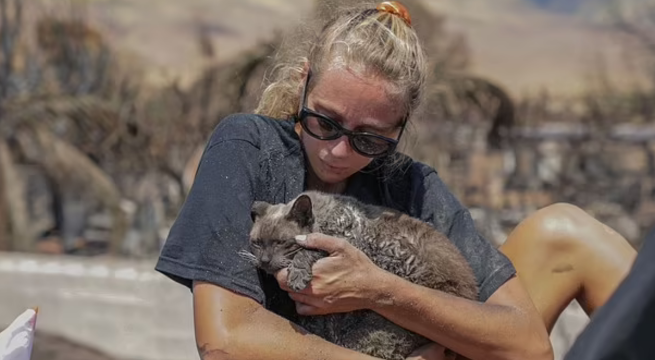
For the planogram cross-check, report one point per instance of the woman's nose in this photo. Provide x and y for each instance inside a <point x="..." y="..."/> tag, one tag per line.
<point x="341" y="147"/>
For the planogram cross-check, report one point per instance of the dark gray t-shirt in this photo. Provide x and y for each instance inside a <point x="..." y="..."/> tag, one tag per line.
<point x="252" y="157"/>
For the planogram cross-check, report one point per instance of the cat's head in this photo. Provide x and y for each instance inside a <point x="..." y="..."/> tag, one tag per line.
<point x="274" y="228"/>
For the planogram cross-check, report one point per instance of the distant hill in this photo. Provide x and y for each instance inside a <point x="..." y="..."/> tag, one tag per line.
<point x="527" y="48"/>
<point x="524" y="45"/>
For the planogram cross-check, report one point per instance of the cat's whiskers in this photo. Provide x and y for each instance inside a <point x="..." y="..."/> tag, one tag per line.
<point x="248" y="256"/>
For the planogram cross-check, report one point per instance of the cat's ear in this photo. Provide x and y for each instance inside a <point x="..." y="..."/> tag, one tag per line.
<point x="301" y="211"/>
<point x="258" y="209"/>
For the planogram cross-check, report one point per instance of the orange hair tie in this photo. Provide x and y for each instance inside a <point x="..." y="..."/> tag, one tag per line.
<point x="395" y="8"/>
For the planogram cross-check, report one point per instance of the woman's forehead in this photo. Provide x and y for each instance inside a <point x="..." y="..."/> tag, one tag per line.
<point x="356" y="98"/>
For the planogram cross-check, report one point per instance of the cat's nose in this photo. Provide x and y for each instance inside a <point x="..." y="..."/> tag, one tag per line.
<point x="266" y="259"/>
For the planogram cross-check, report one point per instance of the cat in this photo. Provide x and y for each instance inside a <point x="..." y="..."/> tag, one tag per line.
<point x="396" y="242"/>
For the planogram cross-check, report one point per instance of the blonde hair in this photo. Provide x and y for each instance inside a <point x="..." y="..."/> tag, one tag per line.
<point x="361" y="38"/>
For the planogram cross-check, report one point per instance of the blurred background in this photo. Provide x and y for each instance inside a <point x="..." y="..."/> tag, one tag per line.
<point x="105" y="106"/>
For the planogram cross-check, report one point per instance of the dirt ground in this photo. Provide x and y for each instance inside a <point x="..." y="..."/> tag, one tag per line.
<point x="51" y="347"/>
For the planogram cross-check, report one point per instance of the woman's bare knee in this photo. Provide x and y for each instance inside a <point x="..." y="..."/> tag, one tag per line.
<point x="557" y="227"/>
<point x="564" y="239"/>
<point x="566" y="226"/>
<point x="545" y="252"/>
<point x="562" y="234"/>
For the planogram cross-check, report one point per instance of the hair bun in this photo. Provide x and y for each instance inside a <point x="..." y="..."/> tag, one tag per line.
<point x="395" y="8"/>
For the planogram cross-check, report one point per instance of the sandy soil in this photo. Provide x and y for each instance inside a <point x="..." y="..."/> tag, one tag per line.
<point x="50" y="347"/>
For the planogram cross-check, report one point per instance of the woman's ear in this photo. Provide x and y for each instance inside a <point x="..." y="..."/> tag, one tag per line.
<point x="298" y="129"/>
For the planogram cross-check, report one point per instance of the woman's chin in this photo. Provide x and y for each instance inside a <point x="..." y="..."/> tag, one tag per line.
<point x="332" y="179"/>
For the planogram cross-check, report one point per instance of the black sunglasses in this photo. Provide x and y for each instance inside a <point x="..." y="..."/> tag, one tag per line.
<point x="322" y="127"/>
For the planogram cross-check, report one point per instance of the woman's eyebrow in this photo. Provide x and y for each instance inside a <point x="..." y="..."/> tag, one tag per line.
<point x="336" y="116"/>
<point x="329" y="112"/>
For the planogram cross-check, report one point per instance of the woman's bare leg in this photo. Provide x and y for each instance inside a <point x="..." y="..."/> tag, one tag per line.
<point x="561" y="253"/>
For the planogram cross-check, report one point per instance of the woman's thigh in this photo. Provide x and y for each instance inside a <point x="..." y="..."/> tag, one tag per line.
<point x="561" y="253"/>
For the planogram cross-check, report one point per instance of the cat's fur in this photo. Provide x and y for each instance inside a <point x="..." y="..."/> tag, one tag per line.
<point x="395" y="242"/>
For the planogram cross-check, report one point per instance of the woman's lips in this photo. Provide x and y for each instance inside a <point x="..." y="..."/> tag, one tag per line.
<point x="334" y="168"/>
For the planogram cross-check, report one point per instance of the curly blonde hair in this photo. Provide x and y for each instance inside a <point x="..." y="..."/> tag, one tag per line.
<point x="361" y="38"/>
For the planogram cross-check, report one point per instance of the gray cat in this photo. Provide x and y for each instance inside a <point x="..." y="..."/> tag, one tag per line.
<point x="395" y="242"/>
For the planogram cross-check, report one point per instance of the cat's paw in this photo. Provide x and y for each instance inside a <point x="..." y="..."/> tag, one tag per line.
<point x="298" y="279"/>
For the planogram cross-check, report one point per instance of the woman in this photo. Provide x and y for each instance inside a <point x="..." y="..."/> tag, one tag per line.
<point x="331" y="121"/>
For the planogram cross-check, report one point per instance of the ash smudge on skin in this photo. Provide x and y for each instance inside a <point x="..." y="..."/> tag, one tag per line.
<point x="562" y="268"/>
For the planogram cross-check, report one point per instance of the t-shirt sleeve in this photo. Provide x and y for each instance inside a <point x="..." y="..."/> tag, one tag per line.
<point x="214" y="222"/>
<point x="440" y="207"/>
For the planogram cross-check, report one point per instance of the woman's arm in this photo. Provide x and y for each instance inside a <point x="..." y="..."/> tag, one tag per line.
<point x="234" y="327"/>
<point x="506" y="326"/>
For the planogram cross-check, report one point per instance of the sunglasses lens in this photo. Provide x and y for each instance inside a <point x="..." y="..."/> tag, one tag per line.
<point x="319" y="127"/>
<point x="371" y="145"/>
<point x="324" y="129"/>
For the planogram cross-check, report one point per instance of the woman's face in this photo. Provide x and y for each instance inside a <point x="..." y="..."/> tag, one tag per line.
<point x="358" y="103"/>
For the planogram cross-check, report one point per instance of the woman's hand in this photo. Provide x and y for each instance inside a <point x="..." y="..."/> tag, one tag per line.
<point x="344" y="281"/>
<point x="431" y="351"/>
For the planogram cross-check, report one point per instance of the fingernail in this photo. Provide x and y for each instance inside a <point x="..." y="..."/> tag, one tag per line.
<point x="301" y="238"/>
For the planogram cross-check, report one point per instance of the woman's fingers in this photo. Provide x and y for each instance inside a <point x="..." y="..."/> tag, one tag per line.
<point x="308" y="310"/>
<point x="281" y="277"/>
<point x="431" y="351"/>
<point x="307" y="305"/>
<point x="326" y="243"/>
<point x="305" y="299"/>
